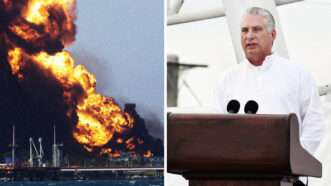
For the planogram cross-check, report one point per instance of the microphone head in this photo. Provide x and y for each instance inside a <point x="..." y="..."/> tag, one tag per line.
<point x="251" y="107"/>
<point x="233" y="106"/>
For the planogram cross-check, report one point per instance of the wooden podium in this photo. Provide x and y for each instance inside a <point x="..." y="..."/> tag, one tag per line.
<point x="238" y="150"/>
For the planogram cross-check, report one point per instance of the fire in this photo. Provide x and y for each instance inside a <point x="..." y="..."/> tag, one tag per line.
<point x="115" y="154"/>
<point x="60" y="65"/>
<point x="106" y="151"/>
<point x="128" y="141"/>
<point x="14" y="57"/>
<point x="129" y="144"/>
<point x="99" y="117"/>
<point x="34" y="34"/>
<point x="24" y="31"/>
<point x="44" y="24"/>
<point x="119" y="140"/>
<point x="148" y="154"/>
<point x="107" y="111"/>
<point x="37" y="10"/>
<point x="91" y="132"/>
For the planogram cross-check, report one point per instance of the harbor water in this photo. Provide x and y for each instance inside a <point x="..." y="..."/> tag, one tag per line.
<point x="138" y="182"/>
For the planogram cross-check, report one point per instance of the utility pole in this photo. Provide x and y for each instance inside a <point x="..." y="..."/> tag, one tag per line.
<point x="55" y="151"/>
<point x="13" y="148"/>
<point x="31" y="153"/>
<point x="41" y="153"/>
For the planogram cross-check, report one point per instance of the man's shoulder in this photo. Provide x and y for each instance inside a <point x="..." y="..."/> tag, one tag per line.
<point x="285" y="62"/>
<point x="292" y="68"/>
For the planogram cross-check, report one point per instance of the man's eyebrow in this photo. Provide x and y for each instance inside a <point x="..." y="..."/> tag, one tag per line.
<point x="244" y="28"/>
<point x="257" y="26"/>
<point x="253" y="27"/>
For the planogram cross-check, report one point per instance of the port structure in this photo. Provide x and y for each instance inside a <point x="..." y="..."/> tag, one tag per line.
<point x="39" y="170"/>
<point x="13" y="146"/>
<point x="56" y="150"/>
<point x="38" y="154"/>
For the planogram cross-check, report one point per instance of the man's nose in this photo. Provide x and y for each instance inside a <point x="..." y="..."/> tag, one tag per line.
<point x="250" y="35"/>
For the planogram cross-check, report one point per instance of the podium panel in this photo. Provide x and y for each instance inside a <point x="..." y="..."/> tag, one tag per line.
<point x="210" y="148"/>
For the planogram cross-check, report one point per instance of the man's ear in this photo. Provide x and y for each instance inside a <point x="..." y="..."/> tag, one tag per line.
<point x="273" y="34"/>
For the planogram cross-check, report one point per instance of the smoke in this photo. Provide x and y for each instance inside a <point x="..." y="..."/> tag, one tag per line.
<point x="41" y="87"/>
<point x="104" y="77"/>
<point x="98" y="67"/>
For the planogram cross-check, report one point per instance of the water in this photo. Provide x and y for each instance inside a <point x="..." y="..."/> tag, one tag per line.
<point x="140" y="182"/>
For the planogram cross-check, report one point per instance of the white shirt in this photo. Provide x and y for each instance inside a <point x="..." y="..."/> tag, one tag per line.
<point x="279" y="87"/>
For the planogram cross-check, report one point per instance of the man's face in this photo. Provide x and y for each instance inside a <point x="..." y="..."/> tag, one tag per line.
<point x="256" y="40"/>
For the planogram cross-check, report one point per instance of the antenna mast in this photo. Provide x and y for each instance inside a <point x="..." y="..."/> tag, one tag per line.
<point x="55" y="153"/>
<point x="13" y="148"/>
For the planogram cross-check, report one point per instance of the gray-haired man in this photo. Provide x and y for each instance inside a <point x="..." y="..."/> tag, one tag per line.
<point x="276" y="84"/>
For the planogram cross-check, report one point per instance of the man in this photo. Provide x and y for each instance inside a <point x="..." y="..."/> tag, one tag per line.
<point x="278" y="85"/>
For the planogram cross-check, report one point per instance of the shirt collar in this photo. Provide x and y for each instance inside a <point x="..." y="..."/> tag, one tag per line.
<point x="268" y="61"/>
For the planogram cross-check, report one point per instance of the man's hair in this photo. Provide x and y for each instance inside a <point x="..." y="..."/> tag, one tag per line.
<point x="265" y="14"/>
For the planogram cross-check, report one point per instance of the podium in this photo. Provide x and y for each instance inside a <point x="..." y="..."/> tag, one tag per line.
<point x="237" y="150"/>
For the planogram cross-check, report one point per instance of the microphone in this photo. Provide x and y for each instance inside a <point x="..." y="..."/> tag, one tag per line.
<point x="299" y="183"/>
<point x="251" y="107"/>
<point x="233" y="106"/>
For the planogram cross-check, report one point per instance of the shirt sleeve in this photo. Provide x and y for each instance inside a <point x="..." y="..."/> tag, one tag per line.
<point x="311" y="113"/>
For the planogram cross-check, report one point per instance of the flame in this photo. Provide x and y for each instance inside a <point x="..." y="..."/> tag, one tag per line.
<point x="99" y="118"/>
<point x="24" y="32"/>
<point x="37" y="10"/>
<point x="14" y="58"/>
<point x="129" y="144"/>
<point x="45" y="22"/>
<point x="148" y="154"/>
<point x="119" y="140"/>
<point x="91" y="132"/>
<point x="115" y="154"/>
<point x="106" y="151"/>
<point x="128" y="141"/>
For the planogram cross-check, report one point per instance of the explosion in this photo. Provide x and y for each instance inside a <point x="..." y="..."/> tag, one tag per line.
<point x="35" y="33"/>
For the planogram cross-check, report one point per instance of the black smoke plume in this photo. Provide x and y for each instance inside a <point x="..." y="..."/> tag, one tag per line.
<point x="36" y="103"/>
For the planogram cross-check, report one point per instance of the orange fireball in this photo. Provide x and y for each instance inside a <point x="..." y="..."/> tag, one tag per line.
<point x="99" y="117"/>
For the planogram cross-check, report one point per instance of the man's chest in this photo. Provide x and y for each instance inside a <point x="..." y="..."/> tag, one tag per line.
<point x="274" y="94"/>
